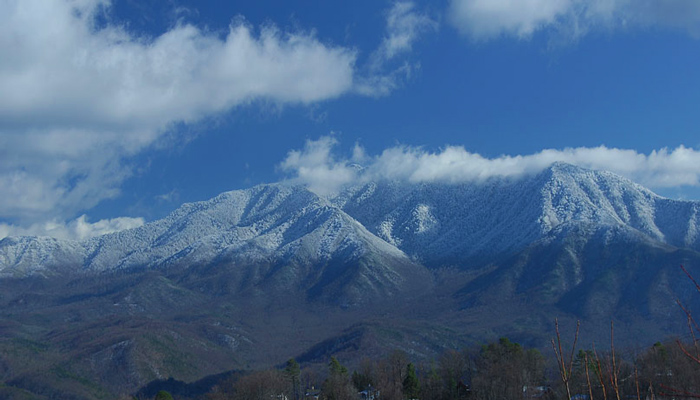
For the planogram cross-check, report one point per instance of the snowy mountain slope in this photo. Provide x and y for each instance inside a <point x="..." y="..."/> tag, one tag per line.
<point x="20" y="256"/>
<point x="251" y="221"/>
<point x="439" y="223"/>
<point x="433" y="223"/>
<point x="573" y="194"/>
<point x="471" y="222"/>
<point x="284" y="234"/>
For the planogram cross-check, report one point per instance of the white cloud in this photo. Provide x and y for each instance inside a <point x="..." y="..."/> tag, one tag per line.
<point x="79" y="99"/>
<point x="317" y="167"/>
<point x="484" y="19"/>
<point x="78" y="229"/>
<point x="404" y="26"/>
<point x="379" y="83"/>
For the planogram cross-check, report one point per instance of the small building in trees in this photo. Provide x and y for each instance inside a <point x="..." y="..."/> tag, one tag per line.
<point x="312" y="394"/>
<point x="370" y="393"/>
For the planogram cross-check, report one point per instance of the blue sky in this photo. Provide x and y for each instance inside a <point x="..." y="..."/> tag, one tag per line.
<point x="115" y="113"/>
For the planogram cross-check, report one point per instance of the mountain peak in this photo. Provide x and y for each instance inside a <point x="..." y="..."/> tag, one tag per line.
<point x="562" y="166"/>
<point x="581" y="176"/>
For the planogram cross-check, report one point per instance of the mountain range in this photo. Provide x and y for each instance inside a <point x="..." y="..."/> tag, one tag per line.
<point x="253" y="277"/>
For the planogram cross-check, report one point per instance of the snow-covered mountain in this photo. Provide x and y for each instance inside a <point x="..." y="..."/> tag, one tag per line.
<point x="472" y="222"/>
<point x="255" y="276"/>
<point x="432" y="223"/>
<point x="274" y="233"/>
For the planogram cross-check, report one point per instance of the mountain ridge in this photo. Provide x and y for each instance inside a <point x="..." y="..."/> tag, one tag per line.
<point x="433" y="223"/>
<point x="253" y="277"/>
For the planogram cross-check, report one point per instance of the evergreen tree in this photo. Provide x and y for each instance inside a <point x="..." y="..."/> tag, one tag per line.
<point x="163" y="395"/>
<point x="361" y="381"/>
<point x="411" y="385"/>
<point x="292" y="370"/>
<point x="338" y="386"/>
<point x="335" y="368"/>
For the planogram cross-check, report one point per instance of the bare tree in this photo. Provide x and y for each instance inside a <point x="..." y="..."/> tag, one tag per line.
<point x="565" y="364"/>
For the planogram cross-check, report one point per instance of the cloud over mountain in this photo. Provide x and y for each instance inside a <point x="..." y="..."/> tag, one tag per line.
<point x="82" y="95"/>
<point x="86" y="100"/>
<point x="317" y="166"/>
<point x="77" y="229"/>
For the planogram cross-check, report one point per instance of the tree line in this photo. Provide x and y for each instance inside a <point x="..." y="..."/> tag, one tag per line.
<point x="498" y="370"/>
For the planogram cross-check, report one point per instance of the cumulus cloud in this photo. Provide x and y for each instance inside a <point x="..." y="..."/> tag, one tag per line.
<point x="78" y="229"/>
<point x="325" y="173"/>
<point x="485" y="19"/>
<point x="316" y="166"/>
<point x="80" y="98"/>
